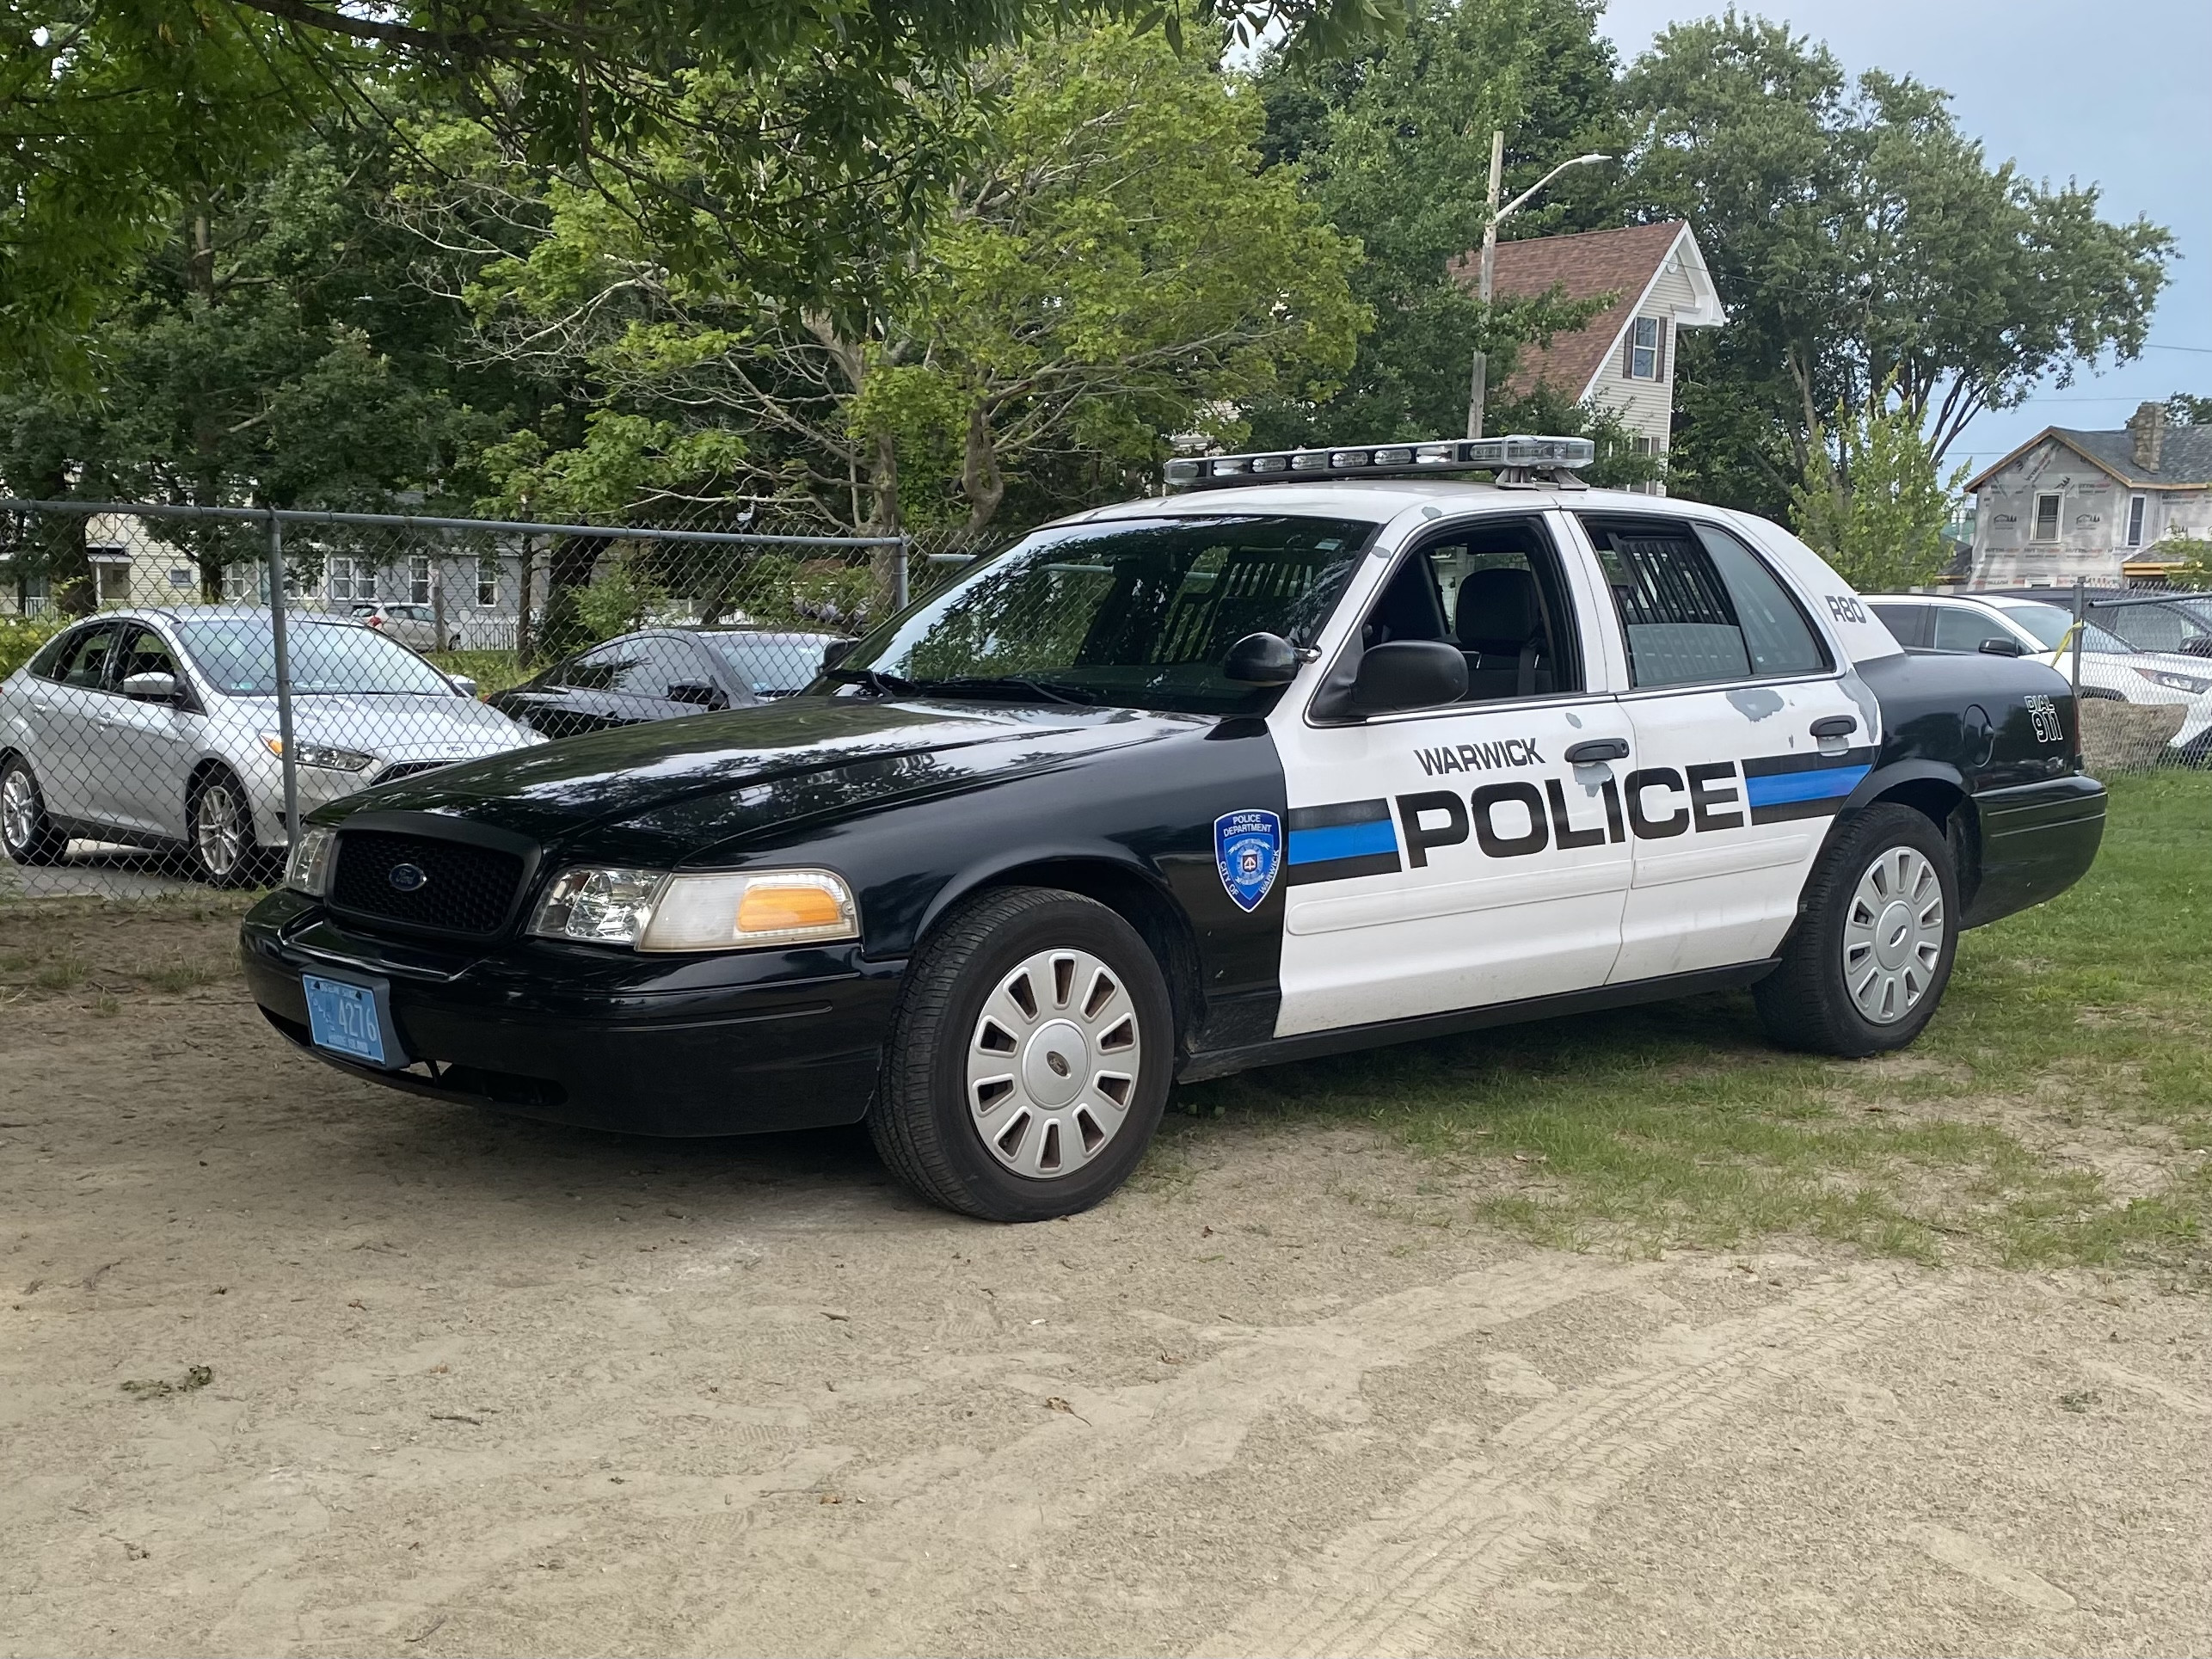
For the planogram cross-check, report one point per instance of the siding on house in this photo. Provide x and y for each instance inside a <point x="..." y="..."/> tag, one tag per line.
<point x="2095" y="480"/>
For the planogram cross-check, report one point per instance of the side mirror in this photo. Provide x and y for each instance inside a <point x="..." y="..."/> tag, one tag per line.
<point x="150" y="688"/>
<point x="836" y="651"/>
<point x="463" y="683"/>
<point x="698" y="693"/>
<point x="1261" y="659"/>
<point x="1412" y="673"/>
<point x="2002" y="647"/>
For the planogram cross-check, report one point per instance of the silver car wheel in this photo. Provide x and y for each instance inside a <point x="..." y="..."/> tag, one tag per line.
<point x="218" y="828"/>
<point x="1893" y="934"/>
<point x="19" y="810"/>
<point x="1053" y="1064"/>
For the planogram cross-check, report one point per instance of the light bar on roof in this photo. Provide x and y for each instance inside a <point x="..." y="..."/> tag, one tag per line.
<point x="1515" y="454"/>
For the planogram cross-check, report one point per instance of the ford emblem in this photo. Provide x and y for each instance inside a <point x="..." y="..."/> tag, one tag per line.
<point x="407" y="877"/>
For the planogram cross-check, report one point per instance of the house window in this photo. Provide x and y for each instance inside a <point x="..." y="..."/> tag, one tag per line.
<point x="351" y="579"/>
<point x="2135" y="520"/>
<point x="1647" y="447"/>
<point x="2046" y="519"/>
<point x="488" y="579"/>
<point x="1644" y="348"/>
<point x="418" y="579"/>
<point x="111" y="576"/>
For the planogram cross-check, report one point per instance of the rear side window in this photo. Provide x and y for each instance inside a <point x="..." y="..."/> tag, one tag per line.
<point x="84" y="662"/>
<point x="47" y="664"/>
<point x="1959" y="629"/>
<point x="1697" y="606"/>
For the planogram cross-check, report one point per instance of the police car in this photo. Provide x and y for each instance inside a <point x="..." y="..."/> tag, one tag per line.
<point x="1324" y="749"/>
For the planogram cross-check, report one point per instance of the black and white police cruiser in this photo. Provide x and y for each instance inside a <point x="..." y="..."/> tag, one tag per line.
<point x="1325" y="749"/>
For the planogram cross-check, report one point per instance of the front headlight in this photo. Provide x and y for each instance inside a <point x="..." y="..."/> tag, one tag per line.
<point x="321" y="755"/>
<point x="308" y="869"/>
<point x="649" y="910"/>
<point x="2182" y="683"/>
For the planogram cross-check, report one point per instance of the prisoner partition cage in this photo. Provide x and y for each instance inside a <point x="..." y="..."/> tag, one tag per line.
<point x="327" y="652"/>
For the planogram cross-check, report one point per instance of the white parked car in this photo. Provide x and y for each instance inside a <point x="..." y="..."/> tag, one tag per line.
<point x="410" y="624"/>
<point x="159" y="728"/>
<point x="2004" y="625"/>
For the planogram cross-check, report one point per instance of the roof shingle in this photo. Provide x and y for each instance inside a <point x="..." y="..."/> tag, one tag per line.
<point x="1589" y="265"/>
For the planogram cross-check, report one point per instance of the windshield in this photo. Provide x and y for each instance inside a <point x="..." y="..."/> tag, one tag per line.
<point x="767" y="663"/>
<point x="1138" y="612"/>
<point x="237" y="654"/>
<point x="2048" y="624"/>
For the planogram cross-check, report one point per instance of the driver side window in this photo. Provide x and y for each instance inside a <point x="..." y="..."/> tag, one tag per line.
<point x="1494" y="591"/>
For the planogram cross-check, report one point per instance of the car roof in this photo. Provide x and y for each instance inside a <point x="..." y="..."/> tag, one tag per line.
<point x="1379" y="499"/>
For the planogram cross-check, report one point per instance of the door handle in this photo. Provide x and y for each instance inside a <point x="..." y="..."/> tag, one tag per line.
<point x="1591" y="751"/>
<point x="1836" y="725"/>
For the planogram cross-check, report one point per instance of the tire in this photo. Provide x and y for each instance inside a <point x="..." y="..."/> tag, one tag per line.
<point x="1087" y="1063"/>
<point x="221" y="857"/>
<point x="27" y="835"/>
<point x="1877" y="930"/>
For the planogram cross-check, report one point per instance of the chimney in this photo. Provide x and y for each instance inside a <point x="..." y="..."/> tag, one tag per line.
<point x="2149" y="425"/>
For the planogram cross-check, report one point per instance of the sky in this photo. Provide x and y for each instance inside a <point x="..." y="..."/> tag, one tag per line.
<point x="2120" y="95"/>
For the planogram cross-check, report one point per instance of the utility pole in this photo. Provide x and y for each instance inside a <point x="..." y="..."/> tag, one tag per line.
<point x="1486" y="272"/>
<point x="1479" y="381"/>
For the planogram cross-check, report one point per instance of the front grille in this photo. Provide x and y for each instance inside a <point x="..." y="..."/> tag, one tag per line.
<point x="464" y="889"/>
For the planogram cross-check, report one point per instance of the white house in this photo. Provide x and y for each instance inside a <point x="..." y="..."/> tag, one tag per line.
<point x="1654" y="279"/>
<point x="2070" y="503"/>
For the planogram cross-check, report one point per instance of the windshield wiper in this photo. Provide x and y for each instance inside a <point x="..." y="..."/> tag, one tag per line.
<point x="1029" y="690"/>
<point x="874" y="681"/>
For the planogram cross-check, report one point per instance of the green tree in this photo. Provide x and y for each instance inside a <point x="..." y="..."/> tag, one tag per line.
<point x="1873" y="501"/>
<point x="2187" y="409"/>
<point x="114" y="117"/>
<point x="1394" y="144"/>
<point x="1859" y="239"/>
<point x="1112" y="264"/>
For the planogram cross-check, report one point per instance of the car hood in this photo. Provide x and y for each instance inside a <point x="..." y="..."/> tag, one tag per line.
<point x="398" y="727"/>
<point x="674" y="790"/>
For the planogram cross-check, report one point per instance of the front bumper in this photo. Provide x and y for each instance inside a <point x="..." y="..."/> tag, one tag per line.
<point x="733" y="1044"/>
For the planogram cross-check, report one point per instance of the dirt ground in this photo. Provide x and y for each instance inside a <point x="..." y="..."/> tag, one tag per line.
<point x="472" y="1386"/>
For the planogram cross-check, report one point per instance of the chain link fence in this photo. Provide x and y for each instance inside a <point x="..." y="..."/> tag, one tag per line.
<point x="179" y="685"/>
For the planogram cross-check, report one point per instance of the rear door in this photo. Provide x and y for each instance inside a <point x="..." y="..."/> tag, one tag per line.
<point x="1454" y="858"/>
<point x="73" y="766"/>
<point x="1732" y="787"/>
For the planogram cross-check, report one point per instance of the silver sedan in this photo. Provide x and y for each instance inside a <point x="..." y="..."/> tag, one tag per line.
<point x="159" y="728"/>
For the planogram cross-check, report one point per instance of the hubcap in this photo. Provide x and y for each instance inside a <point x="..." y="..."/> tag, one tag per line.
<point x="19" y="810"/>
<point x="219" y="829"/>
<point x="1893" y="936"/>
<point x="1053" y="1064"/>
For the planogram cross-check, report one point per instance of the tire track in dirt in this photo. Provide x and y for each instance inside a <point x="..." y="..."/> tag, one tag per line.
<point x="928" y="1551"/>
<point x="1409" y="1580"/>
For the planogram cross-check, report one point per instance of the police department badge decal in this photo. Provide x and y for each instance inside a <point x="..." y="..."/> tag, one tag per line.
<point x="1248" y="848"/>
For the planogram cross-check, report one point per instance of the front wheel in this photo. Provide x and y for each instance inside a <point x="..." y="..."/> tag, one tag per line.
<point x="27" y="834"/>
<point x="1030" y="1059"/>
<point x="224" y="851"/>
<point x="1866" y="964"/>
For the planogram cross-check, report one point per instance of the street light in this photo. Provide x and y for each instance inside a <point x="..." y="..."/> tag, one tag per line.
<point x="1479" y="381"/>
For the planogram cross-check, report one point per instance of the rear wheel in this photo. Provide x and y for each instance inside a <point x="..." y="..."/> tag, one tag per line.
<point x="1866" y="964"/>
<point x="224" y="849"/>
<point x="1030" y="1059"/>
<point x="26" y="834"/>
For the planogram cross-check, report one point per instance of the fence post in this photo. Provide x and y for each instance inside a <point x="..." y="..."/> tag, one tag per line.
<point x="898" y="583"/>
<point x="2080" y="615"/>
<point x="288" y="760"/>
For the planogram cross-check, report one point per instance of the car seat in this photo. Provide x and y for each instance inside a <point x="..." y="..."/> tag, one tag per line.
<point x="1502" y="635"/>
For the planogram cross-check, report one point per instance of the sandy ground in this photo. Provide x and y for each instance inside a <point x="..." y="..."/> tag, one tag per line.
<point x="479" y="1386"/>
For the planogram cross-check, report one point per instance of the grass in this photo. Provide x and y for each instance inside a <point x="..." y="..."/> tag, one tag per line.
<point x="493" y="671"/>
<point x="2056" y="1112"/>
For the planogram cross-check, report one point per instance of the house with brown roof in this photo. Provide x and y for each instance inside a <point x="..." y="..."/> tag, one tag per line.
<point x="2071" y="503"/>
<point x="1654" y="282"/>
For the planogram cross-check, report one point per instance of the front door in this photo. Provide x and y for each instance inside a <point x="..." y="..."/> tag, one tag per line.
<point x="1748" y="740"/>
<point x="1456" y="858"/>
<point x="152" y="744"/>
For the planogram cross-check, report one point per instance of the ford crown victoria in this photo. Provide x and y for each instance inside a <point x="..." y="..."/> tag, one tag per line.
<point x="1325" y="749"/>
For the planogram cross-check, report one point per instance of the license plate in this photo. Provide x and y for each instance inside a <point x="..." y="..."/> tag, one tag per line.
<point x="343" y="1019"/>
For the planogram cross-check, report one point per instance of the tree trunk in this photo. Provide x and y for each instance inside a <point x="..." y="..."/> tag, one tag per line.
<point x="981" y="479"/>
<point x="883" y="520"/>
